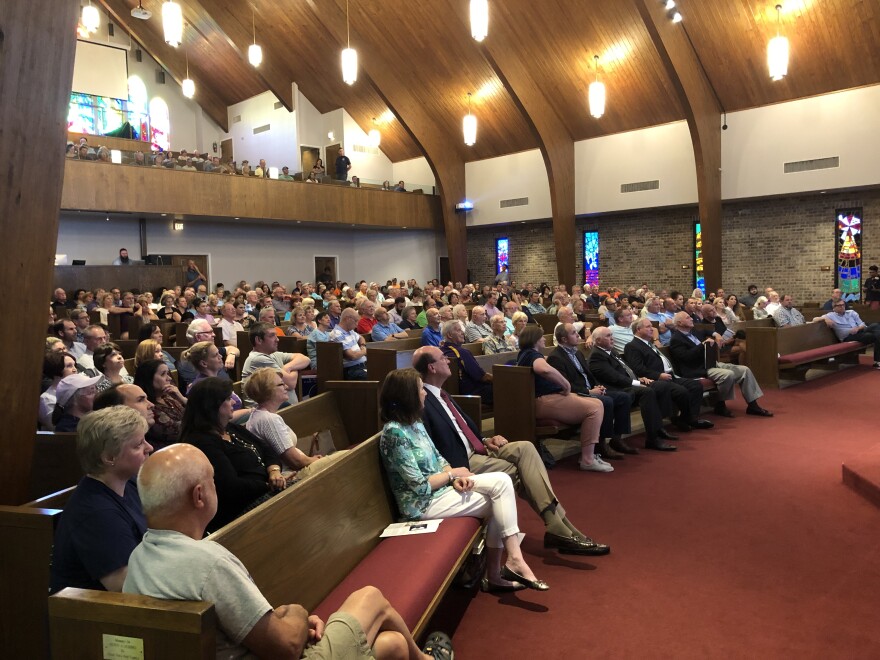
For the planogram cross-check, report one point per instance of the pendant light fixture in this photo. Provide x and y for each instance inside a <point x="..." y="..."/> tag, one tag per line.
<point x="91" y="19"/>
<point x="255" y="53"/>
<point x="349" y="56"/>
<point x="479" y="19"/>
<point x="172" y="23"/>
<point x="597" y="94"/>
<point x="188" y="87"/>
<point x="777" y="51"/>
<point x="469" y="126"/>
<point x="374" y="136"/>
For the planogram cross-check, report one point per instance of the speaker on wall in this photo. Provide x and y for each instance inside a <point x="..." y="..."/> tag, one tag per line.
<point x="160" y="77"/>
<point x="138" y="55"/>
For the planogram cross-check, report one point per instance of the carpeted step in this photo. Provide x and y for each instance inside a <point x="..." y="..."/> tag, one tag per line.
<point x="862" y="474"/>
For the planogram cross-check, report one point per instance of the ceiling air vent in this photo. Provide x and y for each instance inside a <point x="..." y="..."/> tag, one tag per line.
<point x="814" y="164"/>
<point x="261" y="129"/>
<point x="236" y="119"/>
<point x="278" y="105"/>
<point x="519" y="201"/>
<point x="639" y="186"/>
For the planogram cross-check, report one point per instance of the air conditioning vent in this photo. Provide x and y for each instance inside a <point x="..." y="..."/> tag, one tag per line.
<point x="814" y="164"/>
<point x="278" y="105"/>
<point x="640" y="186"/>
<point x="364" y="149"/>
<point x="236" y="119"/>
<point x="262" y="129"/>
<point x="519" y="201"/>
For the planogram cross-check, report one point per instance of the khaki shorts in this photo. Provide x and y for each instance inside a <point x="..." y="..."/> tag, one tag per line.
<point x="343" y="640"/>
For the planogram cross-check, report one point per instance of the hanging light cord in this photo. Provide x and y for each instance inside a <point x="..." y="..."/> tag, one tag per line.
<point x="254" y="23"/>
<point x="347" y="29"/>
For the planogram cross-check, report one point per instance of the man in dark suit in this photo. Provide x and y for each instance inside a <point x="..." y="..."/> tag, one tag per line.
<point x="571" y="363"/>
<point x="612" y="372"/>
<point x="459" y="441"/>
<point x="646" y="361"/>
<point x="694" y="356"/>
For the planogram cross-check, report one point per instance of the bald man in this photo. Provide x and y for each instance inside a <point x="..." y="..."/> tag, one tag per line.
<point x="175" y="562"/>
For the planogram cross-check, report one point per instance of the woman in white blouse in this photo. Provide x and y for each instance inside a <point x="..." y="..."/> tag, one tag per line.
<point x="269" y="392"/>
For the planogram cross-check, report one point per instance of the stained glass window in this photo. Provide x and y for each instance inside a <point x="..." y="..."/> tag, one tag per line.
<point x="848" y="232"/>
<point x="110" y="114"/>
<point x="81" y="114"/>
<point x="699" y="273"/>
<point x="591" y="258"/>
<point x="160" y="125"/>
<point x="138" y="107"/>
<point x="502" y="252"/>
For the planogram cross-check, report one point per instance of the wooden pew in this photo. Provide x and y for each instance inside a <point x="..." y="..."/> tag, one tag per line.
<point x="776" y="354"/>
<point x="329" y="355"/>
<point x="344" y="509"/>
<point x="348" y="409"/>
<point x="514" y="395"/>
<point x="142" y="627"/>
<point x="546" y="321"/>
<point x="55" y="465"/>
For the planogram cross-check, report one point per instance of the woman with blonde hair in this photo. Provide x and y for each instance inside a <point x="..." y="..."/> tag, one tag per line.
<point x="460" y="313"/>
<point x="520" y="320"/>
<point x="759" y="311"/>
<point x="267" y="389"/>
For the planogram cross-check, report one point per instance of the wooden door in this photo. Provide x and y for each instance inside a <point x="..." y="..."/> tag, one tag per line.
<point x="330" y="154"/>
<point x="226" y="153"/>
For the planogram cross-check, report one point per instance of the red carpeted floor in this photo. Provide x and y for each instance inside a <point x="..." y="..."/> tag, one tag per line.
<point x="744" y="543"/>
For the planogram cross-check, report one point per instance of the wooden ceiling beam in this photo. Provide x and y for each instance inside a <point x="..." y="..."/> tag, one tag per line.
<point x="504" y="55"/>
<point x="169" y="59"/>
<point x="403" y="100"/>
<point x="703" y="114"/>
<point x="236" y="29"/>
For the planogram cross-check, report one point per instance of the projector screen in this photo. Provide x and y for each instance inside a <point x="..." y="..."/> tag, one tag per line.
<point x="100" y="70"/>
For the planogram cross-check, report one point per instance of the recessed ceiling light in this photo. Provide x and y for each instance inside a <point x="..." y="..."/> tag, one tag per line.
<point x="164" y="214"/>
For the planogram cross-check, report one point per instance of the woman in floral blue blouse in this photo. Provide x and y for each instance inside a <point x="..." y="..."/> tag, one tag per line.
<point x="426" y="487"/>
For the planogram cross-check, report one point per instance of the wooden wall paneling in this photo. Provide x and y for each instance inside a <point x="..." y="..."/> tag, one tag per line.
<point x="140" y="277"/>
<point x="103" y="187"/>
<point x="235" y="23"/>
<point x="704" y="122"/>
<point x="503" y="53"/>
<point x="35" y="86"/>
<point x="209" y="98"/>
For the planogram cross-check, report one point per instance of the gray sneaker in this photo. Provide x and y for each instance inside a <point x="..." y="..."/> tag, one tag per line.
<point x="598" y="465"/>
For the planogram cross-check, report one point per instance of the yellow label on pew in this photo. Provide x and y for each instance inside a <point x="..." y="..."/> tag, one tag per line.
<point x="123" y="648"/>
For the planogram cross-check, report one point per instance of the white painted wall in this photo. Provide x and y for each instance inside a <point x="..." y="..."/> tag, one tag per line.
<point x="758" y="142"/>
<point x="367" y="166"/>
<point x="190" y="127"/>
<point x="415" y="173"/>
<point x="489" y="181"/>
<point x="276" y="251"/>
<point x="309" y="123"/>
<point x="278" y="145"/>
<point x="661" y="153"/>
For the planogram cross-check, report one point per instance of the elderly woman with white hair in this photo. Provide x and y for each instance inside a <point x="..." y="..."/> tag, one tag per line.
<point x="759" y="311"/>
<point x="102" y="521"/>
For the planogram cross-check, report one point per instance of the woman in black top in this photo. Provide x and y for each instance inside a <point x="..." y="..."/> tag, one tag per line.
<point x="245" y="473"/>
<point x="554" y="399"/>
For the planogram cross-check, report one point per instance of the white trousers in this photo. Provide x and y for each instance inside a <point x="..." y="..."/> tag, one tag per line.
<point x="493" y="496"/>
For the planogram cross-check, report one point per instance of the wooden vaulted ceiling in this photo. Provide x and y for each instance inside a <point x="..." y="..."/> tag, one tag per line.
<point x="427" y="48"/>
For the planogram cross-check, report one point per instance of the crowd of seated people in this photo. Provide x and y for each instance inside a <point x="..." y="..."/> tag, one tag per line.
<point x="194" y="161"/>
<point x="86" y="389"/>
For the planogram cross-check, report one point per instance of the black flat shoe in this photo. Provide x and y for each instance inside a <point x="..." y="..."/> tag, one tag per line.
<point x="513" y="576"/>
<point x="573" y="545"/>
<point x="723" y="411"/>
<point x="666" y="435"/>
<point x="489" y="588"/>
<point x="702" y="424"/>
<point x="759" y="411"/>
<point x="660" y="446"/>
<point x="619" y="445"/>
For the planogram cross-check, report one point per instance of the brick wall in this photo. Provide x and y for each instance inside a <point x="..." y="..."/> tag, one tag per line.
<point x="772" y="242"/>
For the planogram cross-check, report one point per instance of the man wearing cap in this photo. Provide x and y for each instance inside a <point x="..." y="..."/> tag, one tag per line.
<point x="285" y="174"/>
<point x="74" y="398"/>
<point x="848" y="326"/>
